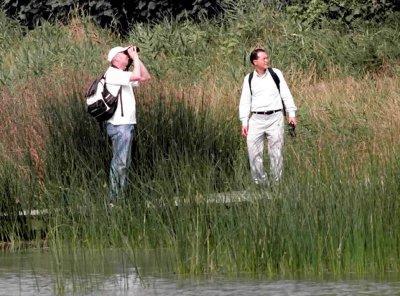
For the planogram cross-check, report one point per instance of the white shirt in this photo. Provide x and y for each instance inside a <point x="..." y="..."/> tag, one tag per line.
<point x="265" y="96"/>
<point x="115" y="78"/>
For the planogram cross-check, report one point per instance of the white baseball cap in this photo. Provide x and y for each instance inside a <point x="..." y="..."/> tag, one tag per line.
<point x="114" y="51"/>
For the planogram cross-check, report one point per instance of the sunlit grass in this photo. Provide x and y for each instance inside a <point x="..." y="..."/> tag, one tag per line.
<point x="336" y="209"/>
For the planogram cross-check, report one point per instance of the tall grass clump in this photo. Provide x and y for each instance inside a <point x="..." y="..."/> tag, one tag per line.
<point x="338" y="199"/>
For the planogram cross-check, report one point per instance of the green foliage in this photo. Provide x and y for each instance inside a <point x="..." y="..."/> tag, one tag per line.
<point x="350" y="12"/>
<point x="292" y="47"/>
<point x="108" y="13"/>
<point x="193" y="50"/>
<point x="32" y="13"/>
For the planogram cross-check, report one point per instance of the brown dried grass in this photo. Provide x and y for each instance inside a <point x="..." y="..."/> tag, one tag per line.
<point x="371" y="102"/>
<point x="84" y="32"/>
<point x="24" y="132"/>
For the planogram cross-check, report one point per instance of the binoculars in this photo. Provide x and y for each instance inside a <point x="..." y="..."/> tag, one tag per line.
<point x="137" y="48"/>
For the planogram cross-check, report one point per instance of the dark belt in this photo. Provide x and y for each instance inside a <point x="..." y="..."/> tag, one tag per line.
<point x="267" y="112"/>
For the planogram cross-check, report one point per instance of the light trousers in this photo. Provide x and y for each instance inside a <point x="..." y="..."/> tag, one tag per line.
<point x="121" y="137"/>
<point x="261" y="127"/>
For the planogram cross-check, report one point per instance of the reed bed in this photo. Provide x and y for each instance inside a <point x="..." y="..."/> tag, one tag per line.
<point x="335" y="211"/>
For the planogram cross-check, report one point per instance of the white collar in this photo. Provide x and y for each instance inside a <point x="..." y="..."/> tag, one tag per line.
<point x="262" y="75"/>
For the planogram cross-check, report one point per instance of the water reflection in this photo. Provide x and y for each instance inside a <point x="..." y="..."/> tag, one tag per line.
<point x="113" y="273"/>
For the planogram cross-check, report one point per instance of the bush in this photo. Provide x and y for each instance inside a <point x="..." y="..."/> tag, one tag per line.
<point x="350" y="12"/>
<point x="118" y="14"/>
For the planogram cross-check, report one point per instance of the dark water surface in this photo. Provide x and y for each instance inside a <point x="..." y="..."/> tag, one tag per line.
<point x="114" y="273"/>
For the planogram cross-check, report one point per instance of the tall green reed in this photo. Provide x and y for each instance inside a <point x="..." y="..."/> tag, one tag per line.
<point x="329" y="214"/>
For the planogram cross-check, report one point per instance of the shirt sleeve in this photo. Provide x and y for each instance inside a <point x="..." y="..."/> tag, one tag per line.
<point x="245" y="102"/>
<point x="118" y="77"/>
<point x="286" y="95"/>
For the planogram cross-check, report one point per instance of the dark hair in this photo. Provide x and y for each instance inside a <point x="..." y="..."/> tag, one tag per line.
<point x="254" y="54"/>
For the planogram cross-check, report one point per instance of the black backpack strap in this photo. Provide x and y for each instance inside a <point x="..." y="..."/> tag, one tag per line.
<point x="277" y="82"/>
<point x="118" y="94"/>
<point x="275" y="78"/>
<point x="250" y="78"/>
<point x="120" y="99"/>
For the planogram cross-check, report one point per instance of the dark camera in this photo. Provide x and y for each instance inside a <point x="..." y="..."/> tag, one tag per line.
<point x="292" y="130"/>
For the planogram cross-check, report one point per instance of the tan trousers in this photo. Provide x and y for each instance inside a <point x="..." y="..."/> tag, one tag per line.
<point x="270" y="127"/>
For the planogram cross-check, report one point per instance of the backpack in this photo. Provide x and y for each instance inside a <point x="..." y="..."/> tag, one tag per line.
<point x="277" y="82"/>
<point x="100" y="103"/>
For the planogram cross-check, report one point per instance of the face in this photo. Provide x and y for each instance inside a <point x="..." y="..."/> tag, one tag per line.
<point x="262" y="61"/>
<point x="121" y="60"/>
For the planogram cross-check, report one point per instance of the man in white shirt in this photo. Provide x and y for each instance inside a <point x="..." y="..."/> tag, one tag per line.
<point x="120" y="127"/>
<point x="261" y="111"/>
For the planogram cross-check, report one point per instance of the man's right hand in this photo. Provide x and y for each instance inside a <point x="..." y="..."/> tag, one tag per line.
<point x="132" y="52"/>
<point x="245" y="131"/>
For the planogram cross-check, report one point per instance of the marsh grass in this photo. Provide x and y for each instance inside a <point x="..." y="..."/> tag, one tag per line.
<point x="336" y="209"/>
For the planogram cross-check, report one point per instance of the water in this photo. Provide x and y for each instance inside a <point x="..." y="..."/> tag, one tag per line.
<point x="113" y="273"/>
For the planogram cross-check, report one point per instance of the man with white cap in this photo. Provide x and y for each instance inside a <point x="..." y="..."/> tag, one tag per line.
<point x="120" y="127"/>
<point x="264" y="101"/>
